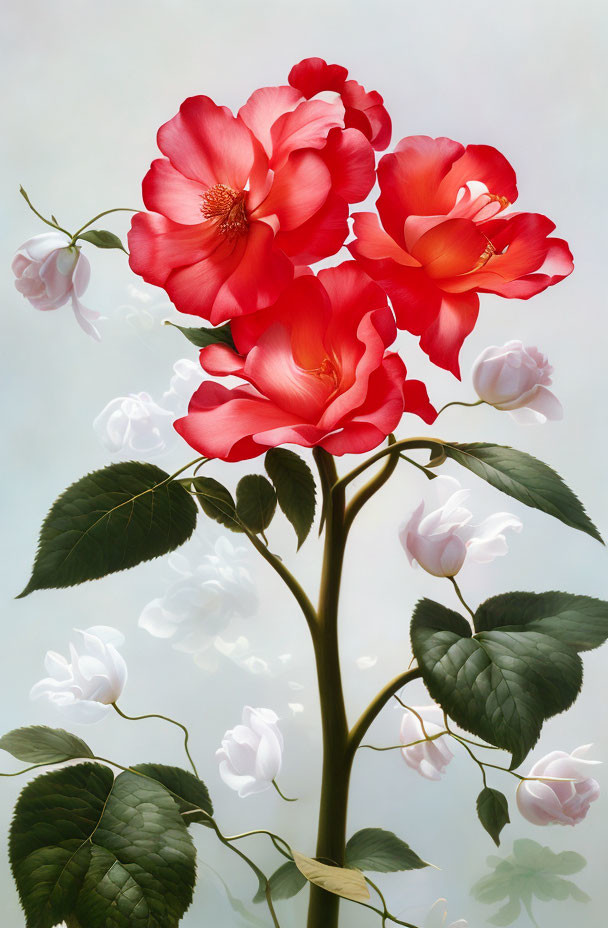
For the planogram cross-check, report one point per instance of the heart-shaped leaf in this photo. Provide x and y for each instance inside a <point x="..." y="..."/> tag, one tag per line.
<point x="217" y="502"/>
<point x="110" y="520"/>
<point x="500" y="684"/>
<point x="98" y="851"/>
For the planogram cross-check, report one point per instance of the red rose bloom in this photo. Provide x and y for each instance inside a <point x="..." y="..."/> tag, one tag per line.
<point x="363" y="110"/>
<point x="238" y="200"/>
<point x="443" y="240"/>
<point x="318" y="373"/>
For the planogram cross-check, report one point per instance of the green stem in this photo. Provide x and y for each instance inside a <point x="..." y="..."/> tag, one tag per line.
<point x="287" y="577"/>
<point x="427" y="473"/>
<point x="361" y="726"/>
<point x="323" y="911"/>
<point x="371" y="487"/>
<point x="385" y="914"/>
<point x="53" y="225"/>
<point x="165" y="718"/>
<point x="282" y="795"/>
<point x="460" y="597"/>
<point x="106" y="212"/>
<point x="433" y="444"/>
<point x="459" y="403"/>
<point x="276" y="840"/>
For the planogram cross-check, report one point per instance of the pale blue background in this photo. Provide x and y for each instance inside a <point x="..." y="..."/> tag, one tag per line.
<point x="86" y="86"/>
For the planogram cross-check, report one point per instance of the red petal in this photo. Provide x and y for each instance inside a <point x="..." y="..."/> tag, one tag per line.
<point x="321" y="236"/>
<point x="443" y="339"/>
<point x="365" y="111"/>
<point x="482" y="163"/>
<point x="416" y="400"/>
<point x="373" y="242"/>
<point x="157" y="246"/>
<point x="298" y="191"/>
<point x="167" y="191"/>
<point x="207" y="143"/>
<point x="305" y="127"/>
<point x="350" y="159"/>
<point x="264" y="107"/>
<point x="410" y="181"/>
<point x="453" y="247"/>
<point x="313" y="75"/>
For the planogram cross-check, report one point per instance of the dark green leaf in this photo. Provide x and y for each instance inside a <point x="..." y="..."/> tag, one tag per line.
<point x="201" y="337"/>
<point x="285" y="882"/>
<point x="110" y="520"/>
<point x="216" y="502"/>
<point x="100" y="851"/>
<point x="38" y="744"/>
<point x="499" y="684"/>
<point x="188" y="792"/>
<point x="381" y="852"/>
<point x="295" y="486"/>
<point x="493" y="812"/>
<point x="102" y="239"/>
<point x="256" y="502"/>
<point x="526" y="479"/>
<point x="579" y="621"/>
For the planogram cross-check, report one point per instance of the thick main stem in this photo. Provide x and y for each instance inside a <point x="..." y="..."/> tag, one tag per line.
<point x="323" y="909"/>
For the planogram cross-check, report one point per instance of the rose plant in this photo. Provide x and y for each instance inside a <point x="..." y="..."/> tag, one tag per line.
<point x="238" y="210"/>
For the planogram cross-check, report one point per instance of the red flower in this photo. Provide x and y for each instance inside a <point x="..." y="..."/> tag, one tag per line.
<point x="318" y="374"/>
<point x="238" y="200"/>
<point x="443" y="240"/>
<point x="364" y="111"/>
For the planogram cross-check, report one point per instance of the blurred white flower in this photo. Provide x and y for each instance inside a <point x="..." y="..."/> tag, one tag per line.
<point x="429" y="758"/>
<point x="516" y="379"/>
<point x="251" y="753"/>
<point x="135" y="425"/>
<point x="441" y="540"/>
<point x="187" y="378"/>
<point x="366" y="662"/>
<point x="49" y="272"/>
<point x="296" y="707"/>
<point x="562" y="801"/>
<point x="207" y="594"/>
<point x="438" y="915"/>
<point x="85" y="687"/>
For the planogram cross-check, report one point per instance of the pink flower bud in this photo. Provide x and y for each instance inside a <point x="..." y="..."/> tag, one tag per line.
<point x="428" y="758"/>
<point x="565" y="795"/>
<point x="441" y="539"/>
<point x="515" y="378"/>
<point x="49" y="272"/>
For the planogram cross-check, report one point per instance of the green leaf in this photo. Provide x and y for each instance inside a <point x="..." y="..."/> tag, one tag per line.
<point x="287" y="881"/>
<point x="217" y="502"/>
<point x="531" y="870"/>
<point x="39" y="744"/>
<point x="256" y="502"/>
<point x="188" y="792"/>
<point x="493" y="812"/>
<point x="526" y="479"/>
<point x="381" y="851"/>
<point x="295" y="486"/>
<point x="100" y="851"/>
<point x="102" y="239"/>
<point x="201" y="337"/>
<point x="579" y="621"/>
<point x="350" y="884"/>
<point x="500" y="684"/>
<point x="110" y="520"/>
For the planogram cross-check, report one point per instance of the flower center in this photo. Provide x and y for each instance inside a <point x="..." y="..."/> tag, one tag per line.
<point x="498" y="199"/>
<point x="486" y="254"/>
<point x="223" y="203"/>
<point x="327" y="371"/>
